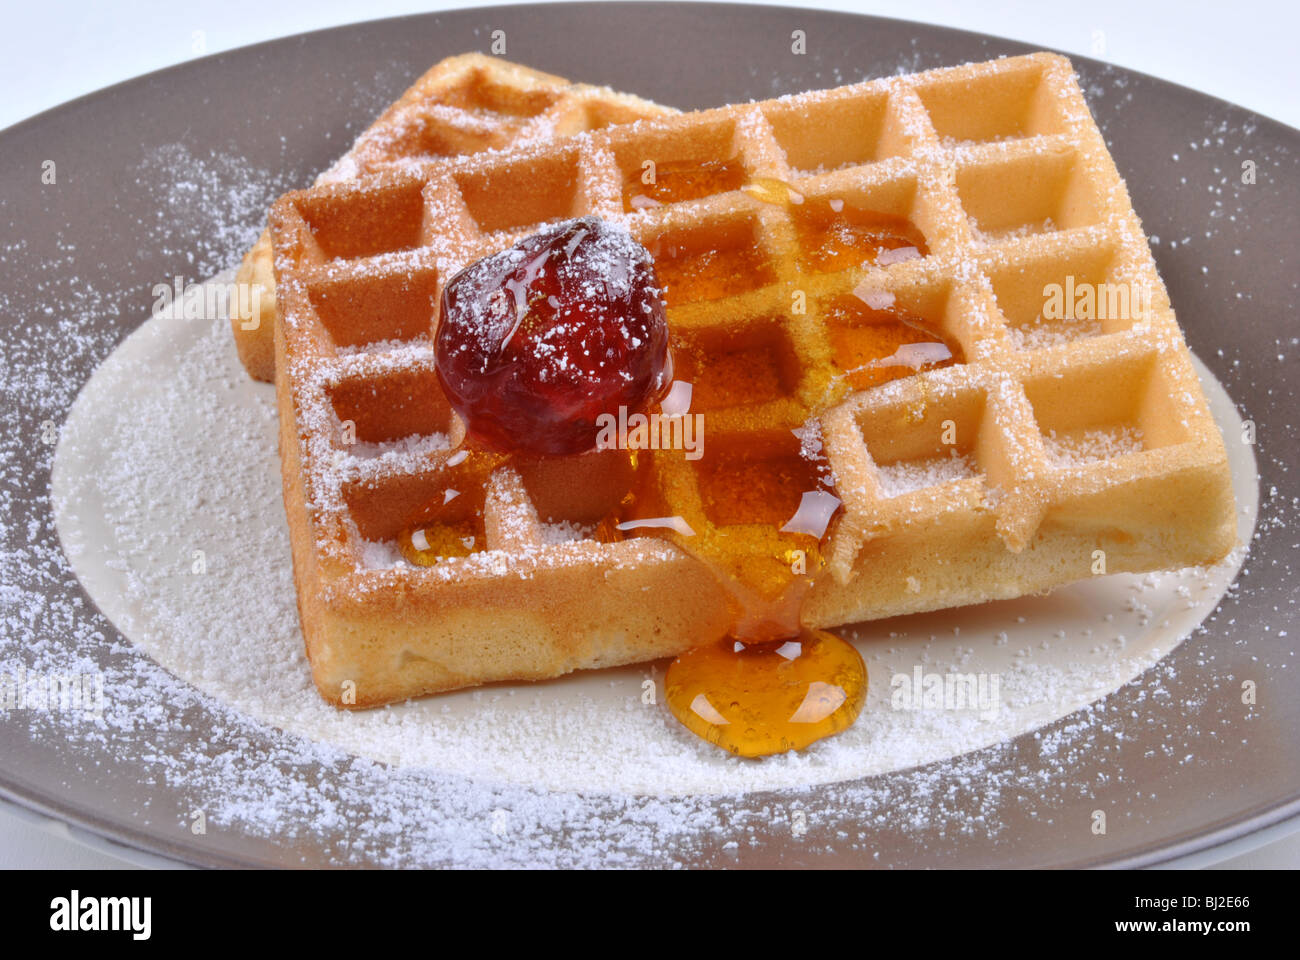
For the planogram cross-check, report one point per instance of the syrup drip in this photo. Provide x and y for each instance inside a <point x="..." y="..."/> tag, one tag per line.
<point x="770" y="685"/>
<point x="774" y="685"/>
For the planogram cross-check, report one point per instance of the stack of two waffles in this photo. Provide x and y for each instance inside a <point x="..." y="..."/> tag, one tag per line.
<point x="1018" y="445"/>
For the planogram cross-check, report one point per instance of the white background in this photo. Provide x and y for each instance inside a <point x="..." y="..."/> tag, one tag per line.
<point x="54" y="51"/>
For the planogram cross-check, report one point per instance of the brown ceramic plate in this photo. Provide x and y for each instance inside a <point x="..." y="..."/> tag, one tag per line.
<point x="1186" y="766"/>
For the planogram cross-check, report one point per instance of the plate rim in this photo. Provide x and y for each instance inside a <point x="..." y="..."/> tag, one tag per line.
<point x="29" y="797"/>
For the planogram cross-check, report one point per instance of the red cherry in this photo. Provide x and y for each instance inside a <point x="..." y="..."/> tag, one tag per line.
<point x="537" y="341"/>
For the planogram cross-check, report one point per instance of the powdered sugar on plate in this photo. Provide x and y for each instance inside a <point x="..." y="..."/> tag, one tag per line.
<point x="173" y="517"/>
<point x="302" y="796"/>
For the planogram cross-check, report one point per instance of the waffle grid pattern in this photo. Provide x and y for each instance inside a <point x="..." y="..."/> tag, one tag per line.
<point x="462" y="105"/>
<point x="1003" y="171"/>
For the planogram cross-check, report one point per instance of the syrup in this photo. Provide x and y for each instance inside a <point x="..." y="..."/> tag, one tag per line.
<point x="835" y="235"/>
<point x="755" y="699"/>
<point x="679" y="180"/>
<point x="753" y="367"/>
<point x="771" y="685"/>
<point x="738" y="486"/>
<point x="873" y="345"/>
<point x="710" y="271"/>
<point x="774" y="685"/>
<point x="428" y="544"/>
<point x="450" y="523"/>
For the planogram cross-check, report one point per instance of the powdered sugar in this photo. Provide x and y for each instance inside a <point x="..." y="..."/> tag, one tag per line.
<point x="231" y="631"/>
<point x="907" y="476"/>
<point x="1080" y="447"/>
<point x="1038" y="336"/>
<point x="305" y="796"/>
<point x="565" y="531"/>
<point x="413" y="446"/>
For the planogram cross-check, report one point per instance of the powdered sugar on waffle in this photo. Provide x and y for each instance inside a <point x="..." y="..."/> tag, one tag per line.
<point x="284" y="786"/>
<point x="417" y="445"/>
<point x="1091" y="446"/>
<point x="908" y="476"/>
<point x="232" y="632"/>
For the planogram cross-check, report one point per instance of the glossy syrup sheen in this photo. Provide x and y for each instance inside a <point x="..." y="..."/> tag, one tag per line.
<point x="428" y="544"/>
<point x="752" y="367"/>
<point x="692" y="272"/>
<point x="838" y="235"/>
<point x="865" y="342"/>
<point x="450" y="522"/>
<point x="764" y="698"/>
<point x="771" y="685"/>
<point x="680" y="180"/>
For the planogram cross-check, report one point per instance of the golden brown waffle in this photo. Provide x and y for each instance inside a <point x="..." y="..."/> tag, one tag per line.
<point x="1051" y="449"/>
<point x="462" y="105"/>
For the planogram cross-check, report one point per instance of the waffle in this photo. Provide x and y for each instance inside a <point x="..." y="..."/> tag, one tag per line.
<point x="462" y="105"/>
<point x="1053" y="452"/>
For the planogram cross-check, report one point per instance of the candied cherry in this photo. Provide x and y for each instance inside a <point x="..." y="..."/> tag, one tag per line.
<point x="536" y="342"/>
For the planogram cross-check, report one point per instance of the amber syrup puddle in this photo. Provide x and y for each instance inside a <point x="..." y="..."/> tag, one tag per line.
<point x="725" y="267"/>
<point x="450" y="523"/>
<point x="679" y="180"/>
<point x="873" y="345"/>
<point x="751" y="366"/>
<point x="836" y="235"/>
